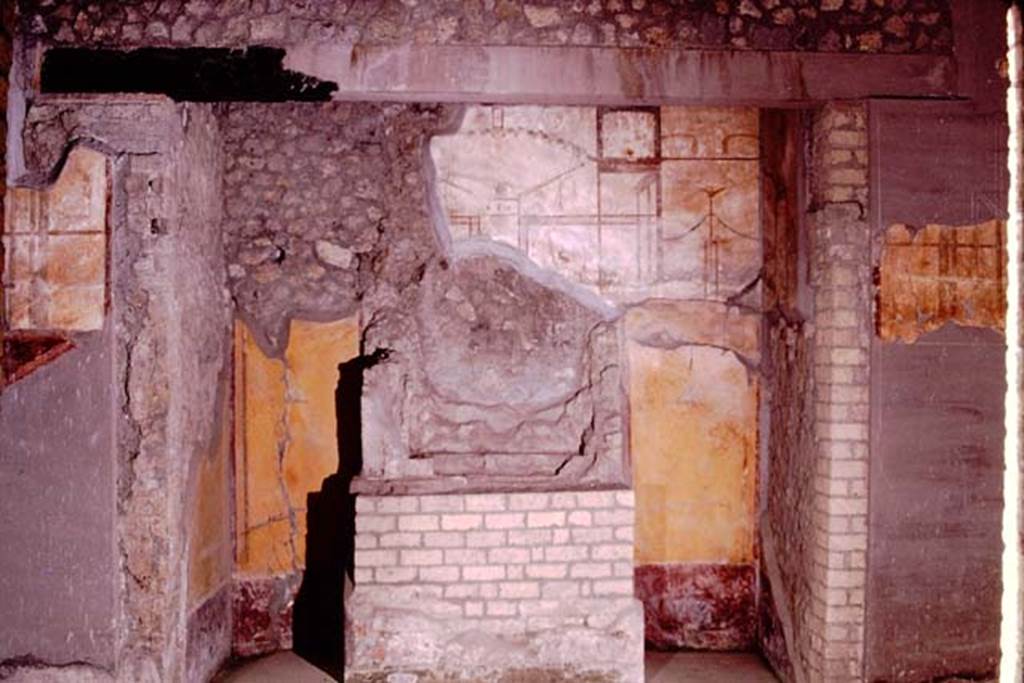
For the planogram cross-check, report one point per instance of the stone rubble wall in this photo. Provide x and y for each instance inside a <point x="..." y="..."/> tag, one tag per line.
<point x="864" y="26"/>
<point x="542" y="580"/>
<point x="174" y="323"/>
<point x="321" y="203"/>
<point x="328" y="209"/>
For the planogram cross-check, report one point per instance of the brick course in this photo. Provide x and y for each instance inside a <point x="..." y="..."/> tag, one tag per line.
<point x="544" y="582"/>
<point x="480" y="552"/>
<point x="545" y="579"/>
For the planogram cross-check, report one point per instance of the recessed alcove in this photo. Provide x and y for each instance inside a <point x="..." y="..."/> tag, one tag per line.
<point x="438" y="344"/>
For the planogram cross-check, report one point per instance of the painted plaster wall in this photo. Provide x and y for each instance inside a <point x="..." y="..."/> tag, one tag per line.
<point x="55" y="248"/>
<point x="286" y="446"/>
<point x="210" y="545"/>
<point x="954" y="211"/>
<point x="321" y="206"/>
<point x="941" y="274"/>
<point x="695" y="451"/>
<point x="288" y="439"/>
<point x="165" y="261"/>
<point x="166" y="267"/>
<point x="56" y="456"/>
<point x="937" y="482"/>
<point x="937" y="408"/>
<point x="694" y="446"/>
<point x="1014" y="205"/>
<point x="210" y="515"/>
<point x="7" y="23"/>
<point x="655" y="211"/>
<point x="630" y="203"/>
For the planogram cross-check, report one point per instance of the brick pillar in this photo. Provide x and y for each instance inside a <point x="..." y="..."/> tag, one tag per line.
<point x="841" y="277"/>
<point x="473" y="587"/>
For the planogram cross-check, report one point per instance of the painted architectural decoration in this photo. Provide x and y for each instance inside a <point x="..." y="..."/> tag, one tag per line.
<point x="632" y="203"/>
<point x="656" y="210"/>
<point x="55" y="245"/>
<point x="940" y="274"/>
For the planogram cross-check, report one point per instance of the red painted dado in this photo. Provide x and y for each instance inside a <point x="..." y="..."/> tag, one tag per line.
<point x="262" y="611"/>
<point x="698" y="606"/>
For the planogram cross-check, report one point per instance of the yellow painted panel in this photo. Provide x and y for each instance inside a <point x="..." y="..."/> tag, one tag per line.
<point x="264" y="415"/>
<point x="287" y="436"/>
<point x="314" y="352"/>
<point x="210" y="523"/>
<point x="268" y="549"/>
<point x="693" y="437"/>
<point x="263" y="543"/>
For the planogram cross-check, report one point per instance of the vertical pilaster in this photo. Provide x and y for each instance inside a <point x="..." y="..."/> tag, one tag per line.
<point x="842" y="283"/>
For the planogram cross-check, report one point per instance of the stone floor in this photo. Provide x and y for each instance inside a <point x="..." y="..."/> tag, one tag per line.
<point x="662" y="667"/>
<point x="705" y="667"/>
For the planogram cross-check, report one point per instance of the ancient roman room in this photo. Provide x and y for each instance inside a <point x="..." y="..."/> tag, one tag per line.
<point x="411" y="341"/>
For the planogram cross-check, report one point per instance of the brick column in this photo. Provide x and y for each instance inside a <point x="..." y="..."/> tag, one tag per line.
<point x="841" y="277"/>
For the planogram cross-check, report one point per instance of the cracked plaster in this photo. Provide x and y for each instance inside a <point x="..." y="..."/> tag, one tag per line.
<point x="287" y="442"/>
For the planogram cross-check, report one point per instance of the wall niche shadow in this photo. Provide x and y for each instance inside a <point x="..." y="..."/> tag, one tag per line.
<point x="319" y="614"/>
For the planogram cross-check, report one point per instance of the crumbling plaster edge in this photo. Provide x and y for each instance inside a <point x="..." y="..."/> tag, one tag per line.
<point x="481" y="247"/>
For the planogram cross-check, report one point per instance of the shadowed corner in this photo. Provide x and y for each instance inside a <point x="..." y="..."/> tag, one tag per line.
<point x="319" y="617"/>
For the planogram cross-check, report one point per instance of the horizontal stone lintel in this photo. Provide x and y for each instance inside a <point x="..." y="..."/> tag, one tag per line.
<point x="611" y="76"/>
